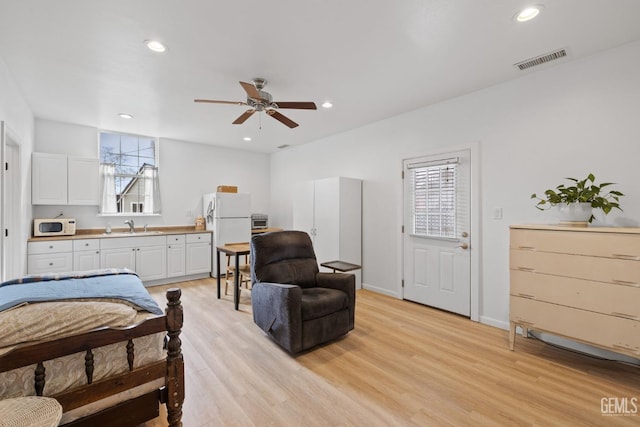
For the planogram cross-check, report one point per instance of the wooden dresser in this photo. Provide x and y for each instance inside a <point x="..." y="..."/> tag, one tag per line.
<point x="578" y="283"/>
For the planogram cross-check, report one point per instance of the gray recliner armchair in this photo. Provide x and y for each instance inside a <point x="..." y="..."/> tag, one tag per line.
<point x="293" y="302"/>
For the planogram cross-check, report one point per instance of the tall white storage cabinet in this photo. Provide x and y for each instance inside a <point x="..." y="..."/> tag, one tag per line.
<point x="330" y="211"/>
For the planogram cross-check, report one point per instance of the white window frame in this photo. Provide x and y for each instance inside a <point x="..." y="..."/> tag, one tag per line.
<point x="441" y="205"/>
<point x="156" y="165"/>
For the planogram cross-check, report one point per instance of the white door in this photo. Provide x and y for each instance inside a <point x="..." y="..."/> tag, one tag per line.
<point x="11" y="264"/>
<point x="326" y="222"/>
<point x="436" y="238"/>
<point x="303" y="207"/>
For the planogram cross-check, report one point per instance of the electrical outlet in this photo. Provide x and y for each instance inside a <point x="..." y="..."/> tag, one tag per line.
<point x="60" y="213"/>
<point x="497" y="213"/>
<point x="189" y="214"/>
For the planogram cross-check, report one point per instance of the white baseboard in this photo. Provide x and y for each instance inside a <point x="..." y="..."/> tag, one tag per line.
<point x="494" y="322"/>
<point x="379" y="290"/>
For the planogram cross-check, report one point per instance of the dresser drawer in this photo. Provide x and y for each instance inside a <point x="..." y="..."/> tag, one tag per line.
<point x="605" y="298"/>
<point x="86" y="245"/>
<point x="199" y="238"/>
<point x="49" y="247"/>
<point x="612" y="245"/>
<point x="175" y="239"/>
<point x="609" y="270"/>
<point x="612" y="332"/>
<point x="50" y="263"/>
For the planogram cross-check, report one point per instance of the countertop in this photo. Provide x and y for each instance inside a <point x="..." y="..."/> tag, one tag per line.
<point x="98" y="233"/>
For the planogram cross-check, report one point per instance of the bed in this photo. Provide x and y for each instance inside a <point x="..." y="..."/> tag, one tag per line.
<point x="96" y="342"/>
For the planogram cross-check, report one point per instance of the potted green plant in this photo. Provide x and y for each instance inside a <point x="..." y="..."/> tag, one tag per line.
<point x="581" y="197"/>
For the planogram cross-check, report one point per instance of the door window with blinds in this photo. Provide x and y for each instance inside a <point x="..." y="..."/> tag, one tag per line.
<point x="433" y="198"/>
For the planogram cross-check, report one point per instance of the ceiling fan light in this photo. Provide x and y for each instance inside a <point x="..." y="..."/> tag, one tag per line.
<point x="155" y="46"/>
<point x="528" y="13"/>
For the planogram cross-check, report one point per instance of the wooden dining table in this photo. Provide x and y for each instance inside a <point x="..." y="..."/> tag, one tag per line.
<point x="235" y="250"/>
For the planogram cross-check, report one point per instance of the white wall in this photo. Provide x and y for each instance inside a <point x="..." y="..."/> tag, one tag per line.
<point x="18" y="119"/>
<point x="187" y="170"/>
<point x="566" y="120"/>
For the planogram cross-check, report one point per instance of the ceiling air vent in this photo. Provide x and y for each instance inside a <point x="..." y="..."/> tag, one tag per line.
<point x="283" y="146"/>
<point x="542" y="59"/>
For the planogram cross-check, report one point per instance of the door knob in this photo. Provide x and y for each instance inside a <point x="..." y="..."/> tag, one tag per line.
<point x="464" y="234"/>
<point x="463" y="246"/>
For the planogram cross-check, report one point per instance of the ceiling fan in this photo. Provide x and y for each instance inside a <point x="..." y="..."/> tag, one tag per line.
<point x="260" y="100"/>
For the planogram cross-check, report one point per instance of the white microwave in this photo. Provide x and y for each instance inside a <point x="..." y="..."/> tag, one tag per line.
<point x="54" y="227"/>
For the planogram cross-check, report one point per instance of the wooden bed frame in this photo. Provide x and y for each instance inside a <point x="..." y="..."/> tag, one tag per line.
<point x="128" y="413"/>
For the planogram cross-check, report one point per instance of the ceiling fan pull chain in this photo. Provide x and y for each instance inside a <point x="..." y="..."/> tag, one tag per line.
<point x="259" y="121"/>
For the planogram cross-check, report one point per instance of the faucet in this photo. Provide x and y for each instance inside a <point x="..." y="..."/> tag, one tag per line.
<point x="129" y="222"/>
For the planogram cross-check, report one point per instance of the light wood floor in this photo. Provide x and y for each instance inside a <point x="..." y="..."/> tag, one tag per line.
<point x="404" y="364"/>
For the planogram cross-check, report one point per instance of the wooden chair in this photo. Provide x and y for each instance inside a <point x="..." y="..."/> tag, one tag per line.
<point x="245" y="274"/>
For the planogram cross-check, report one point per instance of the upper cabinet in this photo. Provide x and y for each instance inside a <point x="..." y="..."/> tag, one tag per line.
<point x="57" y="179"/>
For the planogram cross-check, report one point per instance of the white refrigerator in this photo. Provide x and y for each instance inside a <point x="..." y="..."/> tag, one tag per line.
<point x="228" y="215"/>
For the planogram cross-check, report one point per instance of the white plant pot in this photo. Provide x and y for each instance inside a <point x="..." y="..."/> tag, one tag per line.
<point x="575" y="213"/>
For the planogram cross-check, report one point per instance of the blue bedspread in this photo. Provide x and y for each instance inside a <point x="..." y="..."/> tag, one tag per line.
<point x="115" y="283"/>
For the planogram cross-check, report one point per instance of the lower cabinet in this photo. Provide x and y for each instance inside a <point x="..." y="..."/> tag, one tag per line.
<point x="198" y="259"/>
<point x="147" y="255"/>
<point x="156" y="258"/>
<point x="86" y="254"/>
<point x="53" y="256"/>
<point x="176" y="256"/>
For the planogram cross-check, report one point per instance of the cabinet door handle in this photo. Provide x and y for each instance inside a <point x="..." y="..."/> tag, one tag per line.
<point x="626" y="256"/>
<point x="50" y="263"/>
<point x="527" y="248"/>
<point x="526" y="269"/>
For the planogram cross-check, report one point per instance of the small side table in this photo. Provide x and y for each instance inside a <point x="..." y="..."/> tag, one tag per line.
<point x="341" y="266"/>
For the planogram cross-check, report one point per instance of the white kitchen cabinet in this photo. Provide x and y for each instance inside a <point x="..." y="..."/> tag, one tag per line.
<point x="330" y="211"/>
<point x="176" y="255"/>
<point x="57" y="179"/>
<point x="53" y="256"/>
<point x="146" y="255"/>
<point x="86" y="254"/>
<point x="198" y="256"/>
<point x="83" y="186"/>
<point x="48" y="179"/>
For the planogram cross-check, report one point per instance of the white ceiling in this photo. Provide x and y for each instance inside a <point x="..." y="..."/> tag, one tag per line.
<point x="84" y="62"/>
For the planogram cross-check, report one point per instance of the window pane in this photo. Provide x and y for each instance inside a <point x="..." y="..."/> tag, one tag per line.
<point x="130" y="154"/>
<point x="434" y="201"/>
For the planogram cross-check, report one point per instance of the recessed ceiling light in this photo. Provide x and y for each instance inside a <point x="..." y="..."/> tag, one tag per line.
<point x="327" y="104"/>
<point x="528" y="13"/>
<point x="155" y="46"/>
<point x="246" y="138"/>
<point x="125" y="116"/>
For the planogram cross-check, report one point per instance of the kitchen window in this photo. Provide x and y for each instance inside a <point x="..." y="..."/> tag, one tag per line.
<point x="129" y="174"/>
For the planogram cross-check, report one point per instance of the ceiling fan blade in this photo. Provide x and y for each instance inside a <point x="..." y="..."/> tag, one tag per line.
<point x="251" y="90"/>
<point x="213" y="101"/>
<point x="243" y="117"/>
<point x="298" y="105"/>
<point x="282" y="118"/>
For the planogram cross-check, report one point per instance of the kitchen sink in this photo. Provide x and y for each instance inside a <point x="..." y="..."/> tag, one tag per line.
<point x="135" y="233"/>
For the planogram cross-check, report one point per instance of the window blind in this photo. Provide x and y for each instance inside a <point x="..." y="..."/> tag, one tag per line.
<point x="434" y="200"/>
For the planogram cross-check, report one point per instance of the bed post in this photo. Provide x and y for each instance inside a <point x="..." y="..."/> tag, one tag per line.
<point x="175" y="361"/>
